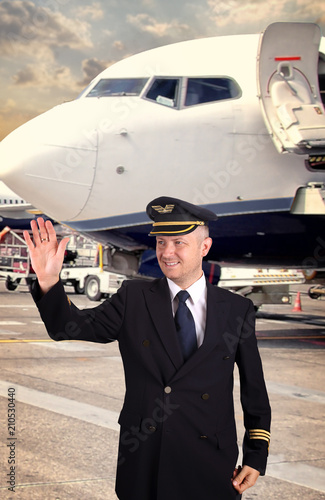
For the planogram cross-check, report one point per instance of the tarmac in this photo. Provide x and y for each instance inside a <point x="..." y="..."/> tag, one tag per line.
<point x="59" y="405"/>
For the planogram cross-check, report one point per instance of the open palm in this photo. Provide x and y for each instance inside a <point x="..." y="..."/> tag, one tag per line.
<point x="46" y="253"/>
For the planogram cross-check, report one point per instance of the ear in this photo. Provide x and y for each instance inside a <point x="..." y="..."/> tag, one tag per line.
<point x="206" y="245"/>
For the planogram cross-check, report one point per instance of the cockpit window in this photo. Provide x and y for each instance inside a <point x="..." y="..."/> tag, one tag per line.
<point x="202" y="90"/>
<point x="164" y="91"/>
<point x="117" y="87"/>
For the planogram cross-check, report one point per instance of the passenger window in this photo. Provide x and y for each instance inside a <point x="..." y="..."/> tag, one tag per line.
<point x="202" y="90"/>
<point x="164" y="91"/>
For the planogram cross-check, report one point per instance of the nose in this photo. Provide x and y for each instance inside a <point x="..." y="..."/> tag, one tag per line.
<point x="168" y="250"/>
<point x="51" y="161"/>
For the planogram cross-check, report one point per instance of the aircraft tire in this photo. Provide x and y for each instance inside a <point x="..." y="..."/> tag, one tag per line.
<point x="92" y="288"/>
<point x="12" y="285"/>
<point x="78" y="289"/>
<point x="316" y="292"/>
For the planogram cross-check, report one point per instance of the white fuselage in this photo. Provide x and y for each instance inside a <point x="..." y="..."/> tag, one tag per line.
<point x="101" y="159"/>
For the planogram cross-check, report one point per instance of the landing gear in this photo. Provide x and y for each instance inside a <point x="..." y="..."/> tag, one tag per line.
<point x="316" y="292"/>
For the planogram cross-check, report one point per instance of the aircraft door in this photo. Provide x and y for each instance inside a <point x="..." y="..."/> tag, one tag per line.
<point x="287" y="74"/>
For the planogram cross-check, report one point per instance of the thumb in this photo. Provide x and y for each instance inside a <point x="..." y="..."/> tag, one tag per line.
<point x="239" y="478"/>
<point x="62" y="247"/>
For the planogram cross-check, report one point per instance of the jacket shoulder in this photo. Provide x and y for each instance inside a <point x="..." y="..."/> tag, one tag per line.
<point x="227" y="295"/>
<point x="136" y="285"/>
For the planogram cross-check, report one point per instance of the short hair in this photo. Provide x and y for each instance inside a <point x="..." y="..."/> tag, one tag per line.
<point x="202" y="232"/>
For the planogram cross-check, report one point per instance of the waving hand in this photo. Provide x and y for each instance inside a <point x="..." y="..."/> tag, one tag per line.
<point x="46" y="253"/>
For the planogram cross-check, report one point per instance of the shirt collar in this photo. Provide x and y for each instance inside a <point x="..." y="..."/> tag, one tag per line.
<point x="196" y="290"/>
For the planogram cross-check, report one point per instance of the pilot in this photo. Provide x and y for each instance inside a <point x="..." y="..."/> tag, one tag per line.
<point x="179" y="337"/>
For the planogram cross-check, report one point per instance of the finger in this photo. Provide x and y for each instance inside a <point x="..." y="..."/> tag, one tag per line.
<point x="42" y="229"/>
<point x="36" y="236"/>
<point x="238" y="481"/>
<point x="50" y="231"/>
<point x="245" y="479"/>
<point x="28" y="240"/>
<point x="236" y="471"/>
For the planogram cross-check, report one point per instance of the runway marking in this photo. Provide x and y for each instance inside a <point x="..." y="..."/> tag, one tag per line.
<point x="11" y="323"/>
<point x="63" y="406"/>
<point x="73" y="346"/>
<point x="296" y="472"/>
<point x="58" y="483"/>
<point x="21" y="306"/>
<point x="9" y="333"/>
<point x="294" y="391"/>
<point x="291" y="337"/>
<point x="22" y="341"/>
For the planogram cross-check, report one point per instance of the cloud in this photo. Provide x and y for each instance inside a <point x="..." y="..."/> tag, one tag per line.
<point x="93" y="12"/>
<point x="27" y="29"/>
<point x="11" y="116"/>
<point x="252" y="14"/>
<point x="8" y="106"/>
<point x="118" y="45"/>
<point x="45" y="76"/>
<point x="91" y="68"/>
<point x="148" y="24"/>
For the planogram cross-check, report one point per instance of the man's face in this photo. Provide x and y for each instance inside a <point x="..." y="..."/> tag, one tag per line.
<point x="180" y="257"/>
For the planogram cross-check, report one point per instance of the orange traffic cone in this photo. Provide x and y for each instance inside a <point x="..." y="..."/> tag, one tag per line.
<point x="297" y="304"/>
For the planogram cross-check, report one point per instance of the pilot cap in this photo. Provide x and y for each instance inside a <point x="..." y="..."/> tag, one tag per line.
<point x="172" y="217"/>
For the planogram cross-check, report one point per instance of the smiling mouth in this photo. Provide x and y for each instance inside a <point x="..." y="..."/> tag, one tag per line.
<point x="170" y="264"/>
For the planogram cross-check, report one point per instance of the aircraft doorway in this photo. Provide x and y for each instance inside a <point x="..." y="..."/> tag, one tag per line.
<point x="291" y="81"/>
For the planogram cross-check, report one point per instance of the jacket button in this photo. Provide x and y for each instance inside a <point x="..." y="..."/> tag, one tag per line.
<point x="146" y="343"/>
<point x="152" y="428"/>
<point x="203" y="437"/>
<point x="205" y="396"/>
<point x="168" y="389"/>
<point x="226" y="357"/>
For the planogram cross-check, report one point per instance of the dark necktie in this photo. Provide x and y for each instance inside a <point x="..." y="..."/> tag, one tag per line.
<point x="185" y="326"/>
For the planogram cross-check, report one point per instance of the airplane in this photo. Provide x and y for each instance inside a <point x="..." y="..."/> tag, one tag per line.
<point x="15" y="212"/>
<point x="233" y="123"/>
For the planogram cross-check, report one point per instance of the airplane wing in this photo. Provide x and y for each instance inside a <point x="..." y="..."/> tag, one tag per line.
<point x="19" y="211"/>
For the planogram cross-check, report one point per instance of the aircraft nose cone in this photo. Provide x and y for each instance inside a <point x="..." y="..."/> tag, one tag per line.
<point x="51" y="158"/>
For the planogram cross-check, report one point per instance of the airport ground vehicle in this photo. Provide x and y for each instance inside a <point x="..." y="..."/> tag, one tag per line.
<point x="262" y="286"/>
<point x="14" y="259"/>
<point x="90" y="272"/>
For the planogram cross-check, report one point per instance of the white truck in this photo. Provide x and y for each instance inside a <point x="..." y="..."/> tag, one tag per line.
<point x="262" y="286"/>
<point x="87" y="273"/>
<point x="95" y="282"/>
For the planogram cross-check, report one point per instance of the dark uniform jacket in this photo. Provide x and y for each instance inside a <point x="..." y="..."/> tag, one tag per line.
<point x="178" y="435"/>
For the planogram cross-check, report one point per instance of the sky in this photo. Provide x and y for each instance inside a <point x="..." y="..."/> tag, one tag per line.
<point x="51" y="49"/>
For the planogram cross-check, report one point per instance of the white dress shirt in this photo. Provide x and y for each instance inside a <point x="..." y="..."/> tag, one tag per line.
<point x="197" y="303"/>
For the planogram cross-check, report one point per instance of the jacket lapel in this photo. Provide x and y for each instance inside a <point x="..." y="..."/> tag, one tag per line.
<point x="159" y="306"/>
<point x="217" y="314"/>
